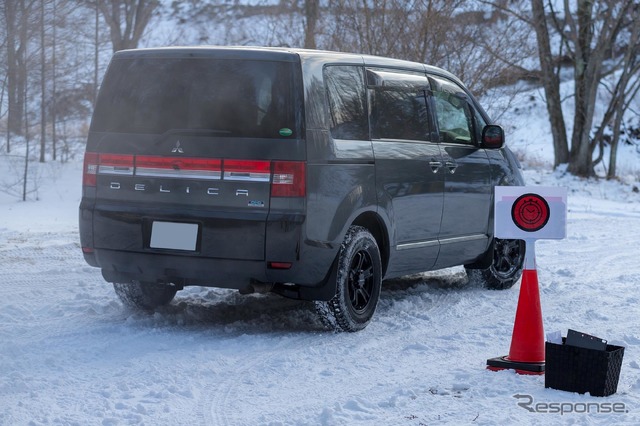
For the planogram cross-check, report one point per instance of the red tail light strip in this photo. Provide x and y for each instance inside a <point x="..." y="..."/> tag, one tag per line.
<point x="192" y="168"/>
<point x="288" y="178"/>
<point x="247" y="170"/>
<point x="114" y="164"/>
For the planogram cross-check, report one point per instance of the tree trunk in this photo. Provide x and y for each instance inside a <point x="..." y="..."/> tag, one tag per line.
<point x="15" y="18"/>
<point x="551" y="83"/>
<point x="25" y="179"/>
<point x="54" y="136"/>
<point x="13" y="120"/>
<point x="586" y="72"/>
<point x="611" y="173"/>
<point x="43" y="86"/>
<point x="96" y="57"/>
<point x="311" y="13"/>
<point x="2" y="90"/>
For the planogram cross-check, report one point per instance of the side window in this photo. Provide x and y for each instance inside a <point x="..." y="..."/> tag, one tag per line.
<point x="453" y="113"/>
<point x="398" y="106"/>
<point x="347" y="103"/>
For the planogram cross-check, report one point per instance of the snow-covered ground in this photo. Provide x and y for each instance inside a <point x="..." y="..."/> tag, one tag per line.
<point x="71" y="353"/>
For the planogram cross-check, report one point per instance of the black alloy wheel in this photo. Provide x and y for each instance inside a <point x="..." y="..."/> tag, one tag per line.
<point x="358" y="283"/>
<point x="506" y="267"/>
<point x="508" y="257"/>
<point x="361" y="281"/>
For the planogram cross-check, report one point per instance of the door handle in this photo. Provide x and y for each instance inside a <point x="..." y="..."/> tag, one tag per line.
<point x="435" y="166"/>
<point x="452" y="166"/>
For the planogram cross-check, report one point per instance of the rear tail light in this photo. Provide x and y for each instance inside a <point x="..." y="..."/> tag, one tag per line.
<point x="289" y="179"/>
<point x="199" y="168"/>
<point x="105" y="164"/>
<point x="115" y="164"/>
<point x="247" y="170"/>
<point x="90" y="169"/>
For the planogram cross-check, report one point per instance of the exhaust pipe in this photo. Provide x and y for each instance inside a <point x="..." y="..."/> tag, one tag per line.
<point x="257" y="287"/>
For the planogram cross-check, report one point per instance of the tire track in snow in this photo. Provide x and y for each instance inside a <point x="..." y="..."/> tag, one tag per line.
<point x="52" y="294"/>
<point x="216" y="405"/>
<point x="409" y="301"/>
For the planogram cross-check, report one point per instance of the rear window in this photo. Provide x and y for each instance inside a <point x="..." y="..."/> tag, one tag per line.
<point x="234" y="98"/>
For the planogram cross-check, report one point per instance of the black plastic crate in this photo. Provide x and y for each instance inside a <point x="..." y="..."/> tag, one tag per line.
<point x="575" y="369"/>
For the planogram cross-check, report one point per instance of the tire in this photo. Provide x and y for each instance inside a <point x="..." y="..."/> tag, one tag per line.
<point x="359" y="279"/>
<point x="145" y="295"/>
<point x="506" y="267"/>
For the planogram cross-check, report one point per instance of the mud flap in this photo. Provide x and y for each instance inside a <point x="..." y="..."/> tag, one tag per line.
<point x="325" y="291"/>
<point x="484" y="261"/>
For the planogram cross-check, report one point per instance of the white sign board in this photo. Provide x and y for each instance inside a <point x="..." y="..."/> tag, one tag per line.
<point x="530" y="212"/>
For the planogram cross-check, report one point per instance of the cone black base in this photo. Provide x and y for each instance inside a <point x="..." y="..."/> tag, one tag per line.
<point x="502" y="363"/>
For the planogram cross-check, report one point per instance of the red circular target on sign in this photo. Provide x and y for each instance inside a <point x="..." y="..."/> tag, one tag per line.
<point x="530" y="212"/>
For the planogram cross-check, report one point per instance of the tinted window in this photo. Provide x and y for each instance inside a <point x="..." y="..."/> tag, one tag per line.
<point x="454" y="116"/>
<point x="398" y="105"/>
<point x="347" y="104"/>
<point x="229" y="97"/>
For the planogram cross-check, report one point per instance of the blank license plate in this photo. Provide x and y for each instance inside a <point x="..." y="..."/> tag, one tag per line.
<point x="174" y="236"/>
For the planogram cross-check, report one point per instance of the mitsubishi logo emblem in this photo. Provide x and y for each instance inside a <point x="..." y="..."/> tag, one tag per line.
<point x="177" y="149"/>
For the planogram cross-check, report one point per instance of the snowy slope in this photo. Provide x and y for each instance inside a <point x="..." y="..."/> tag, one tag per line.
<point x="70" y="353"/>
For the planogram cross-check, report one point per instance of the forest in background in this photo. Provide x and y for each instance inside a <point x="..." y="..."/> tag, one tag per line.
<point x="53" y="54"/>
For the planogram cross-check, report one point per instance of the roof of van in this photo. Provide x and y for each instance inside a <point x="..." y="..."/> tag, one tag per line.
<point x="280" y="53"/>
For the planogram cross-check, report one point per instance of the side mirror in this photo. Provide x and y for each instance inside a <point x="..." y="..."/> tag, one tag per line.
<point x="492" y="137"/>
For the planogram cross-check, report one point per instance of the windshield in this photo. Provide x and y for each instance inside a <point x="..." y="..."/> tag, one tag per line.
<point x="230" y="97"/>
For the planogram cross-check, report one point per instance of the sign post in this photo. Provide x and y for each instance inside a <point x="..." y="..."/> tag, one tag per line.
<point x="529" y="214"/>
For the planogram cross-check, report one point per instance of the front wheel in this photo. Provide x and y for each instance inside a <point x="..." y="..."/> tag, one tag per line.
<point x="145" y="295"/>
<point x="359" y="279"/>
<point x="506" y="266"/>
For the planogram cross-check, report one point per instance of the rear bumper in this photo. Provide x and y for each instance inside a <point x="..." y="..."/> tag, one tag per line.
<point x="181" y="270"/>
<point x="311" y="280"/>
<point x="118" y="244"/>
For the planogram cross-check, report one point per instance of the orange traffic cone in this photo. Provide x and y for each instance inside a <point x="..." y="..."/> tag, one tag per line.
<point x="526" y="354"/>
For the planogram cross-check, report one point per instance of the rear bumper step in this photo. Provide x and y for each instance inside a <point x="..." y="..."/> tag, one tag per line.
<point x="181" y="270"/>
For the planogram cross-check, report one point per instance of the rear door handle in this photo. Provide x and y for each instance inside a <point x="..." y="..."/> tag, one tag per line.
<point x="452" y="166"/>
<point x="435" y="165"/>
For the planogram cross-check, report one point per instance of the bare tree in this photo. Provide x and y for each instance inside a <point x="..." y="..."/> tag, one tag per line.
<point x="591" y="34"/>
<point x="482" y="48"/>
<point x="127" y="20"/>
<point x="54" y="135"/>
<point x="3" y="62"/>
<point x="27" y="139"/>
<point x="550" y="78"/>
<point x="16" y="14"/>
<point x="96" y="53"/>
<point x="591" y="38"/>
<point x="625" y="88"/>
<point x="43" y="85"/>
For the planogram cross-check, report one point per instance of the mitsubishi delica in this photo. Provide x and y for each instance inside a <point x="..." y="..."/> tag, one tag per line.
<point x="315" y="175"/>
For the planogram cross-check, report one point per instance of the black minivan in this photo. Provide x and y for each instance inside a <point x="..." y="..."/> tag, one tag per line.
<point x="311" y="174"/>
